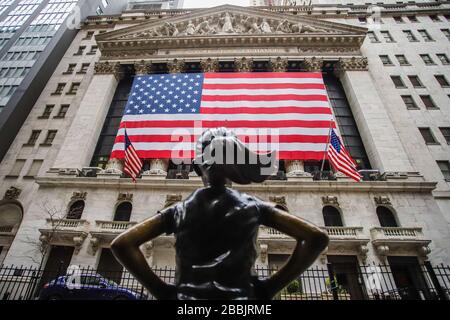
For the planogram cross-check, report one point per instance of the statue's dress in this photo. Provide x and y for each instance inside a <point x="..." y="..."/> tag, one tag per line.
<point x="215" y="232"/>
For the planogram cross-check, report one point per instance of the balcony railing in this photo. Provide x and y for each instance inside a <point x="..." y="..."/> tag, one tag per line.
<point x="56" y="224"/>
<point x="6" y="229"/>
<point x="396" y="233"/>
<point x="343" y="232"/>
<point x="115" y="226"/>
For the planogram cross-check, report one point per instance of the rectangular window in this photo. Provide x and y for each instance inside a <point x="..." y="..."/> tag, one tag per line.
<point x="80" y="51"/>
<point x="427" y="59"/>
<point x="50" y="137"/>
<point x="63" y="111"/>
<point x="445" y="168"/>
<point x="362" y="20"/>
<point x="428" y="136"/>
<point x="33" y="137"/>
<point x="435" y="18"/>
<point x="398" y="82"/>
<point x="59" y="89"/>
<point x="70" y="68"/>
<point x="34" y="169"/>
<point x="410" y="35"/>
<point x="446" y="32"/>
<point x="17" y="168"/>
<point x="443" y="58"/>
<point x="74" y="88"/>
<point x="442" y="80"/>
<point x="84" y="68"/>
<point x="446" y="133"/>
<point x="47" y="112"/>
<point x="410" y="103"/>
<point x="402" y="60"/>
<point x="412" y="19"/>
<point x="89" y="35"/>
<point x="386" y="60"/>
<point x="387" y="36"/>
<point x="428" y="102"/>
<point x="373" y="38"/>
<point x="415" y="81"/>
<point x="93" y="50"/>
<point x="425" y="35"/>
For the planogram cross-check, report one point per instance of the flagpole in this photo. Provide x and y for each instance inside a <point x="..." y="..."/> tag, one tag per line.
<point x="328" y="144"/>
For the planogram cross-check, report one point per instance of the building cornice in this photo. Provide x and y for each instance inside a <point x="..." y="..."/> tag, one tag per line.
<point x="268" y="186"/>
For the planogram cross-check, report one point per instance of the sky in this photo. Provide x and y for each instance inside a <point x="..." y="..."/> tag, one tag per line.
<point x="213" y="3"/>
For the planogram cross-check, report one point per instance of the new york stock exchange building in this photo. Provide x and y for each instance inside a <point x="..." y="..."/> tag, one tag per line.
<point x="65" y="199"/>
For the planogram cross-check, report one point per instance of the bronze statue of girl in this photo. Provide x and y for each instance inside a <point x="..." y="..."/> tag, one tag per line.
<point x="216" y="230"/>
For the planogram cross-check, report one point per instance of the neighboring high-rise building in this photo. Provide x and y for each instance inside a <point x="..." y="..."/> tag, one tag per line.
<point x="155" y="4"/>
<point x="34" y="34"/>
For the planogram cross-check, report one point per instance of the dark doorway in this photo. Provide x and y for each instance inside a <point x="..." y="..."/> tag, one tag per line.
<point x="386" y="217"/>
<point x="109" y="267"/>
<point x="123" y="212"/>
<point x="408" y="278"/>
<point x="332" y="217"/>
<point x="346" y="270"/>
<point x="57" y="263"/>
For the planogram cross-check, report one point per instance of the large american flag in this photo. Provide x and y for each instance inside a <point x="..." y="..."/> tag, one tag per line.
<point x="340" y="159"/>
<point x="292" y="107"/>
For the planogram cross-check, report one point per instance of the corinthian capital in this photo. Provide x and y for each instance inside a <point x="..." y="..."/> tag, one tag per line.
<point x="278" y="65"/>
<point x="176" y="66"/>
<point x="143" y="67"/>
<point x="352" y="64"/>
<point x="209" y="65"/>
<point x="313" y="64"/>
<point x="106" y="67"/>
<point x="243" y="64"/>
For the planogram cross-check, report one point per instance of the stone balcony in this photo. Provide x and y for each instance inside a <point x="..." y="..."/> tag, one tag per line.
<point x="106" y="231"/>
<point x="396" y="240"/>
<point x="349" y="240"/>
<point x="64" y="232"/>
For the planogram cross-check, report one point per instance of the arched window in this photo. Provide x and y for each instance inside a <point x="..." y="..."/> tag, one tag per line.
<point x="332" y="217"/>
<point x="123" y="212"/>
<point x="386" y="217"/>
<point x="76" y="210"/>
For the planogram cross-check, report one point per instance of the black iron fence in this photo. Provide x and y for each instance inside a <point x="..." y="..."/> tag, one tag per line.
<point x="365" y="282"/>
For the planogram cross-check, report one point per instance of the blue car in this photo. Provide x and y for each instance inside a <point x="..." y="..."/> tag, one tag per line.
<point x="91" y="287"/>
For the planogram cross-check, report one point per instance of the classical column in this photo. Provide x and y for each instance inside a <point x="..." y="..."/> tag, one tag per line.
<point x="278" y="65"/>
<point x="114" y="167"/>
<point x="82" y="137"/>
<point x="142" y="67"/>
<point x="243" y="64"/>
<point x="209" y="65"/>
<point x="381" y="141"/>
<point x="313" y="64"/>
<point x="176" y="66"/>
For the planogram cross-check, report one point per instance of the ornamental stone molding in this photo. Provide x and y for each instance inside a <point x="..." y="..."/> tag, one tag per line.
<point x="78" y="195"/>
<point x="113" y="167"/>
<point x="125" y="197"/>
<point x="142" y="67"/>
<point x="279" y="201"/>
<point x="278" y="64"/>
<point x="382" y="200"/>
<point x="176" y="66"/>
<point x="313" y="64"/>
<point x="231" y="27"/>
<point x="330" y="200"/>
<point x="243" y="64"/>
<point x="352" y="64"/>
<point x="114" y="68"/>
<point x="172" y="199"/>
<point x="209" y="65"/>
<point x="263" y="252"/>
<point x="12" y="193"/>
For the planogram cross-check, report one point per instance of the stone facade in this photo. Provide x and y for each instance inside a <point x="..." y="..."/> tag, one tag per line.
<point x="413" y="189"/>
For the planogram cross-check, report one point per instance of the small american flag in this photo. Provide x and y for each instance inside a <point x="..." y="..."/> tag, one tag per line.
<point x="292" y="107"/>
<point x="133" y="165"/>
<point x="340" y="159"/>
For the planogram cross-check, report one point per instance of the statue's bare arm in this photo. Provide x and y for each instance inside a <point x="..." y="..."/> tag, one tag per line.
<point x="311" y="241"/>
<point x="126" y="249"/>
